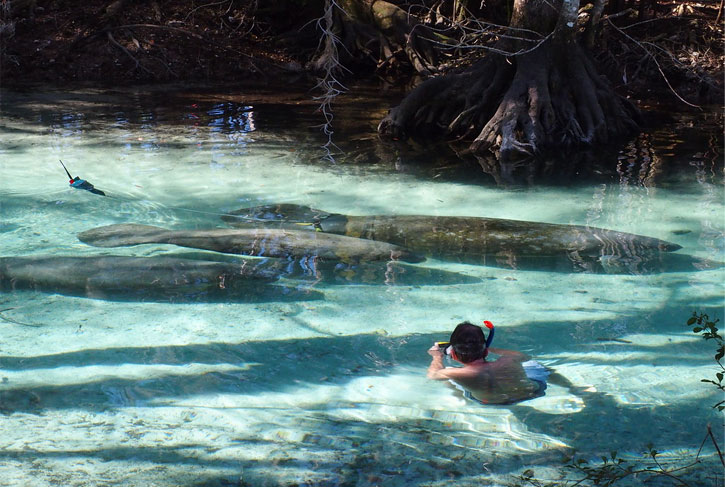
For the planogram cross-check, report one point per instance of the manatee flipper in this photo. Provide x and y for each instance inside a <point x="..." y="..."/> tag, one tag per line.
<point x="122" y="235"/>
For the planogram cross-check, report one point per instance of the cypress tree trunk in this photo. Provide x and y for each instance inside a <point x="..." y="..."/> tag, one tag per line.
<point x="537" y="92"/>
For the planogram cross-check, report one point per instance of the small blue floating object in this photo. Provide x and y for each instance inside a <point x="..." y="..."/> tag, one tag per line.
<point x="79" y="183"/>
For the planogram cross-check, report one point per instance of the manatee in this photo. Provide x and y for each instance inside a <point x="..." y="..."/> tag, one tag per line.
<point x="261" y="242"/>
<point x="144" y="278"/>
<point x="474" y="240"/>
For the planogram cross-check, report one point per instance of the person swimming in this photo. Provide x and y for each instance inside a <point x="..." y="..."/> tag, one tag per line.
<point x="511" y="378"/>
<point x="78" y="183"/>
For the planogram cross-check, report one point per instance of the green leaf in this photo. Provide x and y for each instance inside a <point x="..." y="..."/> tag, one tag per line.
<point x="613" y="454"/>
<point x="697" y="329"/>
<point x="691" y="321"/>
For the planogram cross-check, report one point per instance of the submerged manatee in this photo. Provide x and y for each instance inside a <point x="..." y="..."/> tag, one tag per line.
<point x="261" y="242"/>
<point x="474" y="240"/>
<point x="143" y="278"/>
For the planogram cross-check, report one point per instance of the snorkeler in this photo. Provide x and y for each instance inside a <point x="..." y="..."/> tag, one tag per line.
<point x="78" y="183"/>
<point x="511" y="378"/>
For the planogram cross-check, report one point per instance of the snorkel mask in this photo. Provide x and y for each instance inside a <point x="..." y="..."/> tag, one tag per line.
<point x="446" y="346"/>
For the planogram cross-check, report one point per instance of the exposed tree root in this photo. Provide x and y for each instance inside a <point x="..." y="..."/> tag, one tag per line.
<point x="113" y="41"/>
<point x="550" y="99"/>
<point x="380" y="33"/>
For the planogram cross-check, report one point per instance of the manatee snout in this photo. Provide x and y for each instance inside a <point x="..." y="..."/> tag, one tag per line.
<point x="668" y="246"/>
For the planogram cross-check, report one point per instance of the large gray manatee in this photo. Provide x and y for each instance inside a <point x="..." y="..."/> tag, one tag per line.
<point x="478" y="240"/>
<point x="261" y="242"/>
<point x="126" y="278"/>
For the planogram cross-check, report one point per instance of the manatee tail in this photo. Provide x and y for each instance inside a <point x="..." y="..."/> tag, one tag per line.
<point x="123" y="235"/>
<point x="280" y="213"/>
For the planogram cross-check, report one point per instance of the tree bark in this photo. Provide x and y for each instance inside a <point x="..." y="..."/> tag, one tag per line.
<point x="544" y="96"/>
<point x="593" y="24"/>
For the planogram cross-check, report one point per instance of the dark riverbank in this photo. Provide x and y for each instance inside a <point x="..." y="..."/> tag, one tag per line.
<point x="127" y="43"/>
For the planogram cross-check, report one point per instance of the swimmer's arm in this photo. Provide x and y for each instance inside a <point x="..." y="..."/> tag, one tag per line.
<point x="436" y="364"/>
<point x="447" y="373"/>
<point x="436" y="369"/>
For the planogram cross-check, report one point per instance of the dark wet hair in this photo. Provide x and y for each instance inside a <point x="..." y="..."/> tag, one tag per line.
<point x="468" y="342"/>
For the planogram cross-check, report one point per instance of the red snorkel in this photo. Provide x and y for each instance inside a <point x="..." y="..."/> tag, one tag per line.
<point x="488" y="325"/>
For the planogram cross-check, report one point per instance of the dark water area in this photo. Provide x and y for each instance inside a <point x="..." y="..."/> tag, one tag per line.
<point x="674" y="146"/>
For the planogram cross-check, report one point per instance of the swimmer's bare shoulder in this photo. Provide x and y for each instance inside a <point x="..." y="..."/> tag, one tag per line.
<point x="509" y="354"/>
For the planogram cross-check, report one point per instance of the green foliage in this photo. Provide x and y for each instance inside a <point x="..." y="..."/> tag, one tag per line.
<point x="613" y="469"/>
<point x="610" y="471"/>
<point x="709" y="331"/>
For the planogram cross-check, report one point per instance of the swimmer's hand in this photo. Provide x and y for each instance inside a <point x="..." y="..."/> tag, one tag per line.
<point x="435" y="350"/>
<point x="436" y="363"/>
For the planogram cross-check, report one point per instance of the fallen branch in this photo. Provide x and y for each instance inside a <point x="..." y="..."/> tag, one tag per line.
<point x="113" y="41"/>
<point x="153" y="26"/>
<point x="206" y="5"/>
<point x="719" y="453"/>
<point x="654" y="59"/>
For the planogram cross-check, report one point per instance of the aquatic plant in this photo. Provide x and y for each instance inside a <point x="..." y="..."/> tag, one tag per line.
<point x="613" y="469"/>
<point x="709" y="331"/>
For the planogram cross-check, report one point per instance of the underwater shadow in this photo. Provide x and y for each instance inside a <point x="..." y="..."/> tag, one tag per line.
<point x="248" y="368"/>
<point x="315" y="271"/>
<point x="266" y="366"/>
<point x="262" y="293"/>
<point x="630" y="265"/>
<point x="413" y="449"/>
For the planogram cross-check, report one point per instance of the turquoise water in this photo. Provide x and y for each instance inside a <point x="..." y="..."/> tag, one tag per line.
<point x="323" y="382"/>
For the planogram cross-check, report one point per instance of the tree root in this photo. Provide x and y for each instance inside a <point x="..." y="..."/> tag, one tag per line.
<point x="113" y="41"/>
<point x="383" y="34"/>
<point x="551" y="99"/>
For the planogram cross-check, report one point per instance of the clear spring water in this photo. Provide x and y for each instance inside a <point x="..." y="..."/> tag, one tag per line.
<point x="329" y="388"/>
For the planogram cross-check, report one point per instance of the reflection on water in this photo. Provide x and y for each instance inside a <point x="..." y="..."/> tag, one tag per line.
<point x="191" y="366"/>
